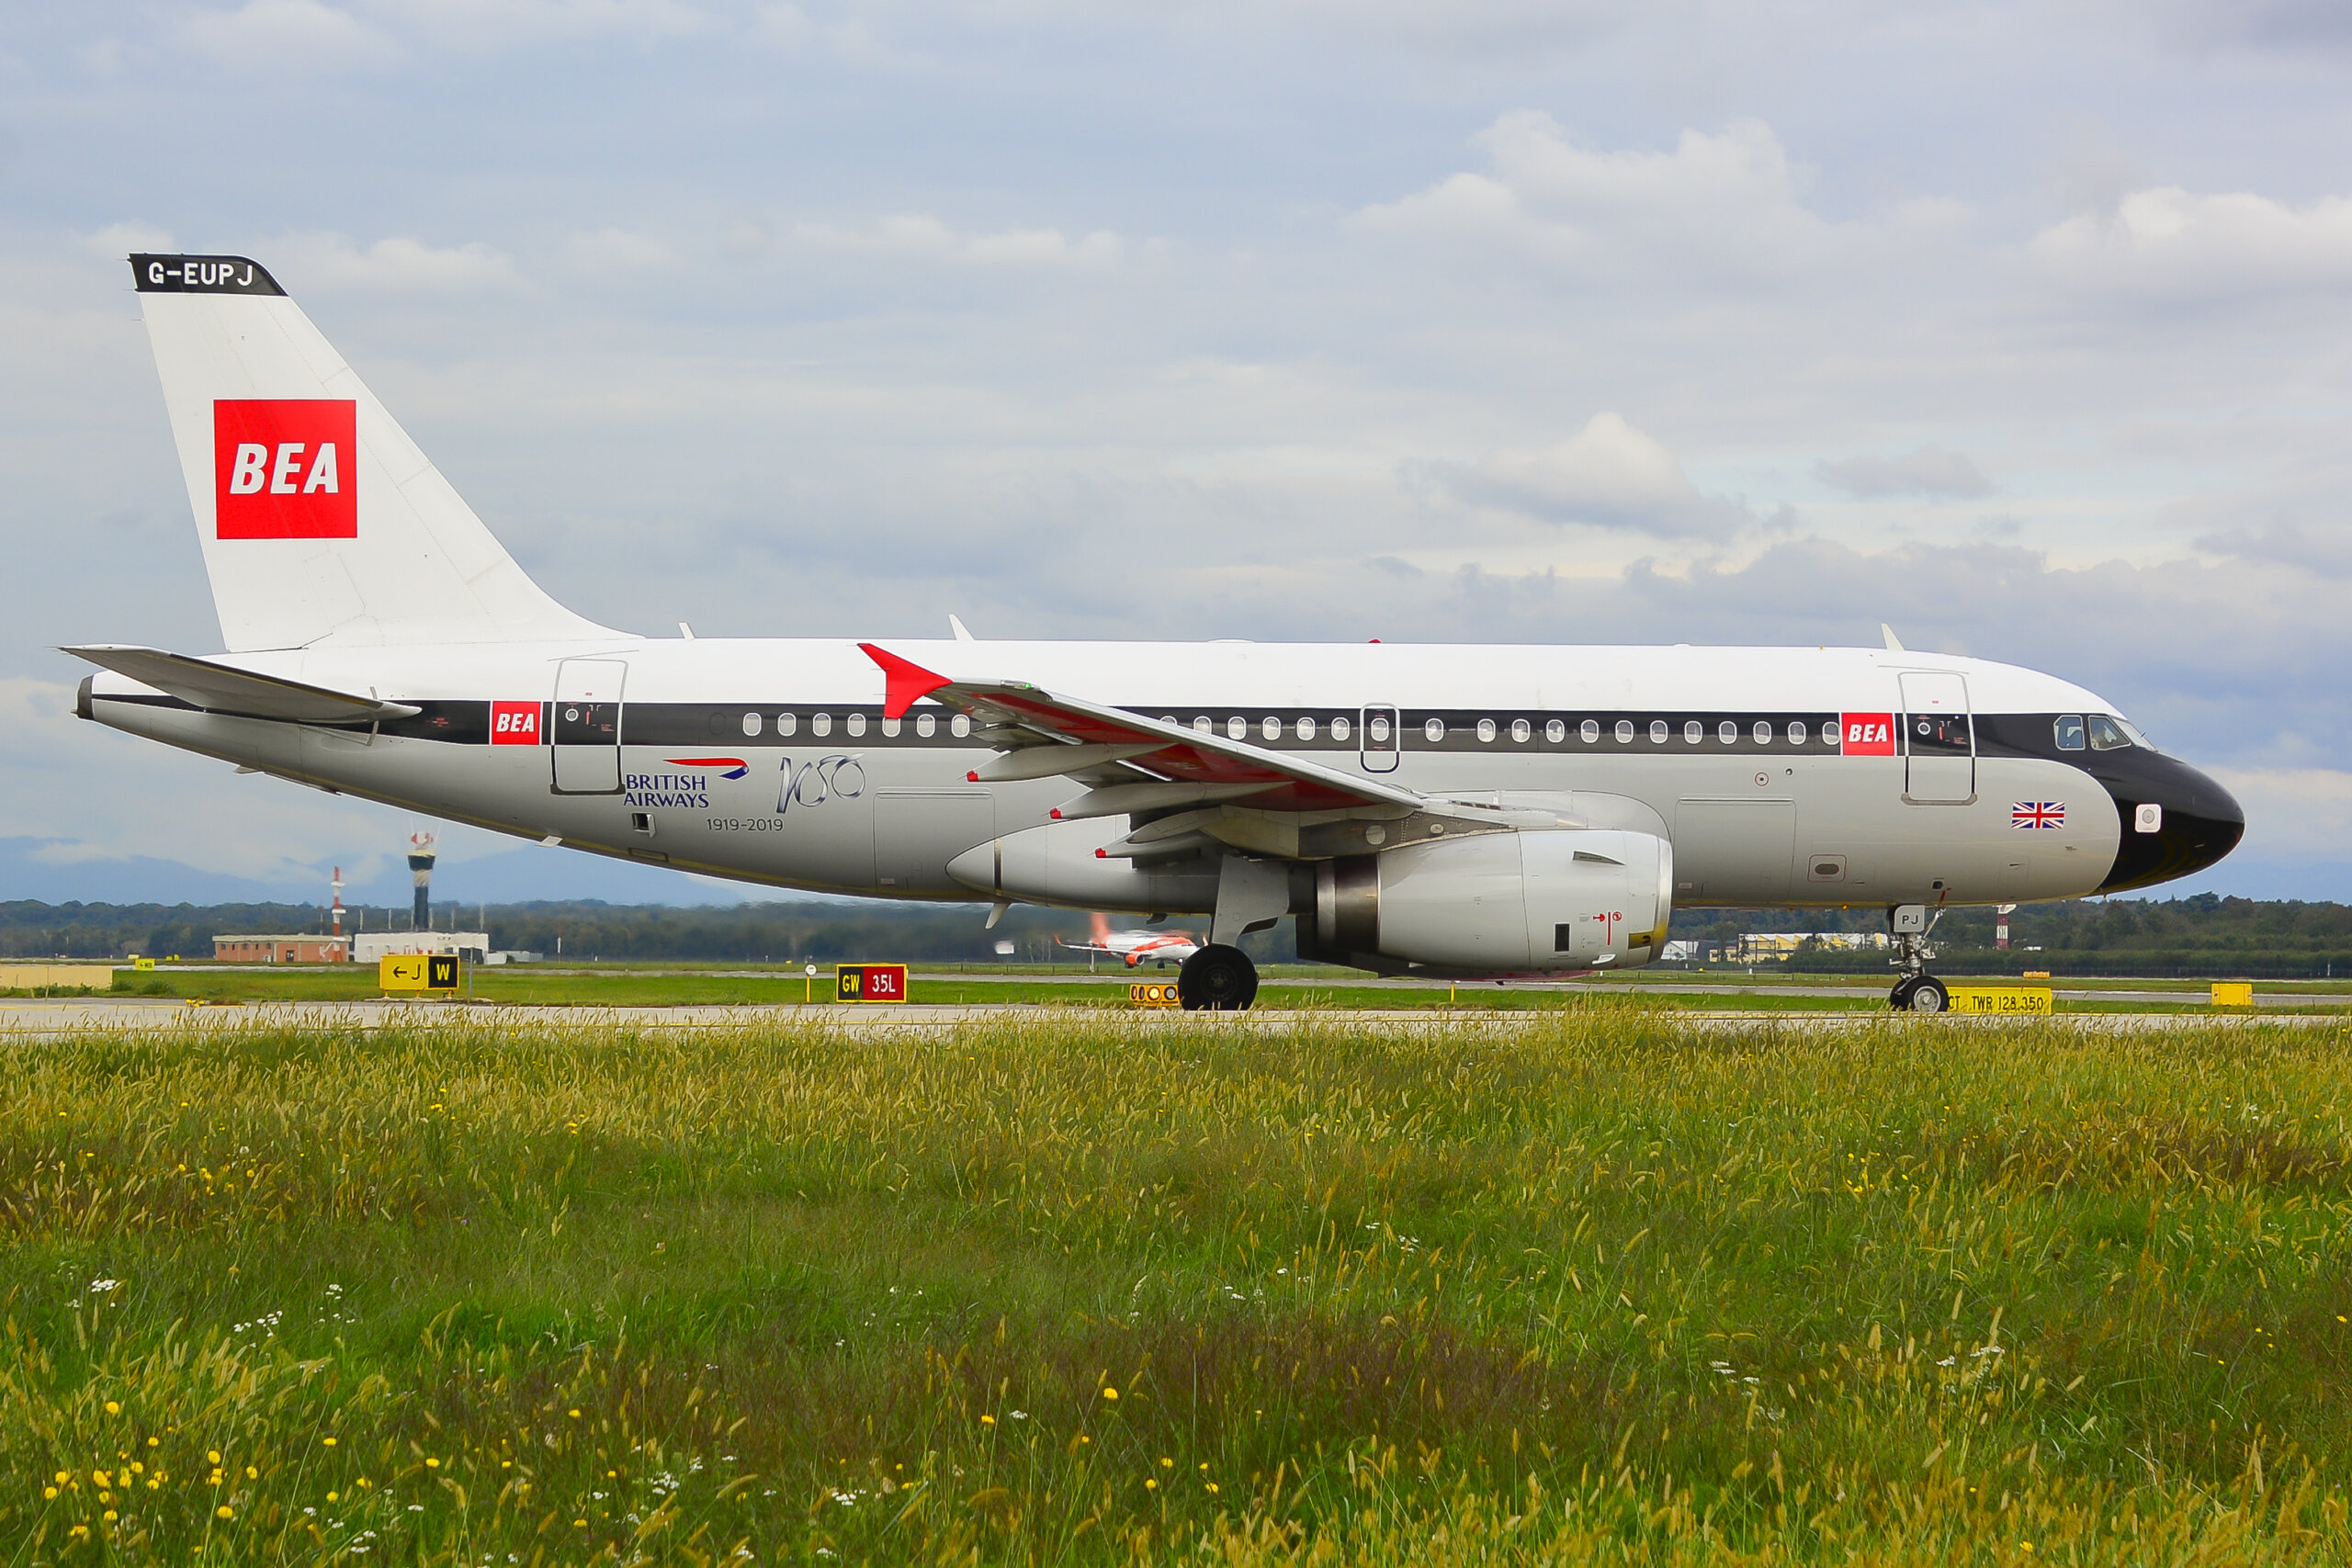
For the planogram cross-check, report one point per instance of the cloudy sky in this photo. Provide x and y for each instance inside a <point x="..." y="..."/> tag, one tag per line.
<point x="2024" y="327"/>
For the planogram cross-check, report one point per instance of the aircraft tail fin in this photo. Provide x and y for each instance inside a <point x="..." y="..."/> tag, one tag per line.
<point x="321" y="522"/>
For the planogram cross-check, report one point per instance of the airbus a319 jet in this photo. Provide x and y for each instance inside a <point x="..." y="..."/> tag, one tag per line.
<point x="1449" y="811"/>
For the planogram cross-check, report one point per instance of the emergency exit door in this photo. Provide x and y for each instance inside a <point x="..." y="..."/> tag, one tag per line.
<point x="1939" y="741"/>
<point x="1377" y="739"/>
<point x="586" y="734"/>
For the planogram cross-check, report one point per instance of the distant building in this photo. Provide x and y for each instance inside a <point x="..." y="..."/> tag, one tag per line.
<point x="369" y="947"/>
<point x="281" y="949"/>
<point x="1782" y="946"/>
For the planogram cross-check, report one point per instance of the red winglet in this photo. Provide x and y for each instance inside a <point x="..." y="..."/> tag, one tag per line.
<point x="905" y="681"/>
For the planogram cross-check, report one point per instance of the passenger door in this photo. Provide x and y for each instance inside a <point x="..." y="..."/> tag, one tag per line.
<point x="587" y="729"/>
<point x="1939" y="741"/>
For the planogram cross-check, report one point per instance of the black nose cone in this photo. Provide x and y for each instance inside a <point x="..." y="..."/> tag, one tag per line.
<point x="2194" y="822"/>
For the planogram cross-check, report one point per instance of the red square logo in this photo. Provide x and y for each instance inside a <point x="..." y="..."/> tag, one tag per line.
<point x="514" y="724"/>
<point x="1866" y="734"/>
<point x="285" y="468"/>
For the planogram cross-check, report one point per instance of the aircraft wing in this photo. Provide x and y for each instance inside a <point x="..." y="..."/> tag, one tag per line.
<point x="1078" y="736"/>
<point x="223" y="688"/>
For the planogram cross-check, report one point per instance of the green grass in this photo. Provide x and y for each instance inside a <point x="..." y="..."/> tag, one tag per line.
<point x="1586" y="1286"/>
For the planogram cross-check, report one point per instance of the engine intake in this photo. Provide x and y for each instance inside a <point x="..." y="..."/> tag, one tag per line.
<point x="1499" y="903"/>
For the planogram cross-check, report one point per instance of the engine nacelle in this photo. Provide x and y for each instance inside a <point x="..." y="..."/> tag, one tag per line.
<point x="1498" y="903"/>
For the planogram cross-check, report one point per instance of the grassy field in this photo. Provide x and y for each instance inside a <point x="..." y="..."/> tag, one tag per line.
<point x="1578" y="1287"/>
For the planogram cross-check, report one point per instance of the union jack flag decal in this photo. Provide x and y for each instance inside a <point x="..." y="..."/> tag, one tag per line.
<point x="2030" y="814"/>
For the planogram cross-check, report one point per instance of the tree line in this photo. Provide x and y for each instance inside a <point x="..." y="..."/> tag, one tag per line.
<point x="2202" y="933"/>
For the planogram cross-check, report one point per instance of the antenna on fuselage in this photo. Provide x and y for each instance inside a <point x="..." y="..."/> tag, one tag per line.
<point x="963" y="633"/>
<point x="1894" y="643"/>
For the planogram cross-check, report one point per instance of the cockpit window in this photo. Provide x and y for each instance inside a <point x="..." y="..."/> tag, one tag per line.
<point x="2070" y="732"/>
<point x="2106" y="735"/>
<point x="2131" y="729"/>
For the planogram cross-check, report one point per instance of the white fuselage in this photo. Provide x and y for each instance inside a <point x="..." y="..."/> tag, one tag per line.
<point x="768" y="761"/>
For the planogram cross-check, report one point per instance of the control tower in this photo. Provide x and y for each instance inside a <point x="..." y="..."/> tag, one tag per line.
<point x="421" y="855"/>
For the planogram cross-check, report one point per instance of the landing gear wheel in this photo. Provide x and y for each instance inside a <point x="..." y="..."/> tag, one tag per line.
<point x="1217" y="980"/>
<point x="1920" y="993"/>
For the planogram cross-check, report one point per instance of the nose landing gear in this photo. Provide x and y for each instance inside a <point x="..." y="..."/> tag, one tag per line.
<point x="1916" y="992"/>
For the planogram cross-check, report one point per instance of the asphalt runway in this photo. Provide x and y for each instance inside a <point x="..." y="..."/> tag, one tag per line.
<point x="54" y="1018"/>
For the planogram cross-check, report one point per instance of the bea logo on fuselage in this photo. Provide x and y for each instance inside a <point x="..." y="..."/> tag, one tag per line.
<point x="1867" y="734"/>
<point x="514" y="724"/>
<point x="285" y="468"/>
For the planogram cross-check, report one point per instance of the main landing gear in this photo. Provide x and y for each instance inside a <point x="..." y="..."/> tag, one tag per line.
<point x="1218" y="978"/>
<point x="1916" y="992"/>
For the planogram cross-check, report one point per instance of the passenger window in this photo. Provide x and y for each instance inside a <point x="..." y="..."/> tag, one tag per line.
<point x="1727" y="732"/>
<point x="925" y="724"/>
<point x="1796" y="733"/>
<point x="1486" y="730"/>
<point x="750" y="724"/>
<point x="856" y="723"/>
<point x="1305" y="729"/>
<point x="1694" y="731"/>
<point x="1521" y="731"/>
<point x="1590" y="731"/>
<point x="2106" y="735"/>
<point x="1625" y="732"/>
<point x="1235" y="728"/>
<point x="1380" y="731"/>
<point x="1658" y="732"/>
<point x="891" y="727"/>
<point x="2070" y="732"/>
<point x="961" y="725"/>
<point x="787" y="723"/>
<point x="1340" y="729"/>
<point x="1435" y="730"/>
<point x="1271" y="728"/>
<point x="1555" y="732"/>
<point x="1201" y="724"/>
<point x="820" y="724"/>
<point x="1763" y="732"/>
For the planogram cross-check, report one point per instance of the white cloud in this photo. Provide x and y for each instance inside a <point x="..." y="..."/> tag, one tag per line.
<point x="2301" y="812"/>
<point x="1729" y="200"/>
<point x="117" y="241"/>
<point x="264" y="36"/>
<point x="1928" y="470"/>
<point x="472" y="26"/>
<point x="1608" y="475"/>
<point x="919" y="235"/>
<point x="2172" y="242"/>
<point x="619" y="251"/>
<point x="397" y="265"/>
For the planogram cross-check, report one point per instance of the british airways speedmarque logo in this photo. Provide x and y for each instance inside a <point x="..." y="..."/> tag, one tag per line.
<point x="2032" y="814"/>
<point x="729" y="767"/>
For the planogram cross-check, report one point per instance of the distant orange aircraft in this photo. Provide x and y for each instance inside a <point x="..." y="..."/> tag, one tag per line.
<point x="1137" y="948"/>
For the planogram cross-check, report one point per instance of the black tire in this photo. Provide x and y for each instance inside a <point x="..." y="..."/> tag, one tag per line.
<point x="1899" y="999"/>
<point x="1927" y="995"/>
<point x="1217" y="980"/>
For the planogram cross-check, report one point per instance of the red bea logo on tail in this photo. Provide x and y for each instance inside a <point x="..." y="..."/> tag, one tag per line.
<point x="285" y="468"/>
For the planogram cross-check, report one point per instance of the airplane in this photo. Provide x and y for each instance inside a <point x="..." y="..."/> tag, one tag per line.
<point x="1135" y="948"/>
<point x="1450" y="811"/>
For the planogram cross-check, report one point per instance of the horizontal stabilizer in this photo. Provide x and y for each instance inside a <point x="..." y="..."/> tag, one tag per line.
<point x="221" y="688"/>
